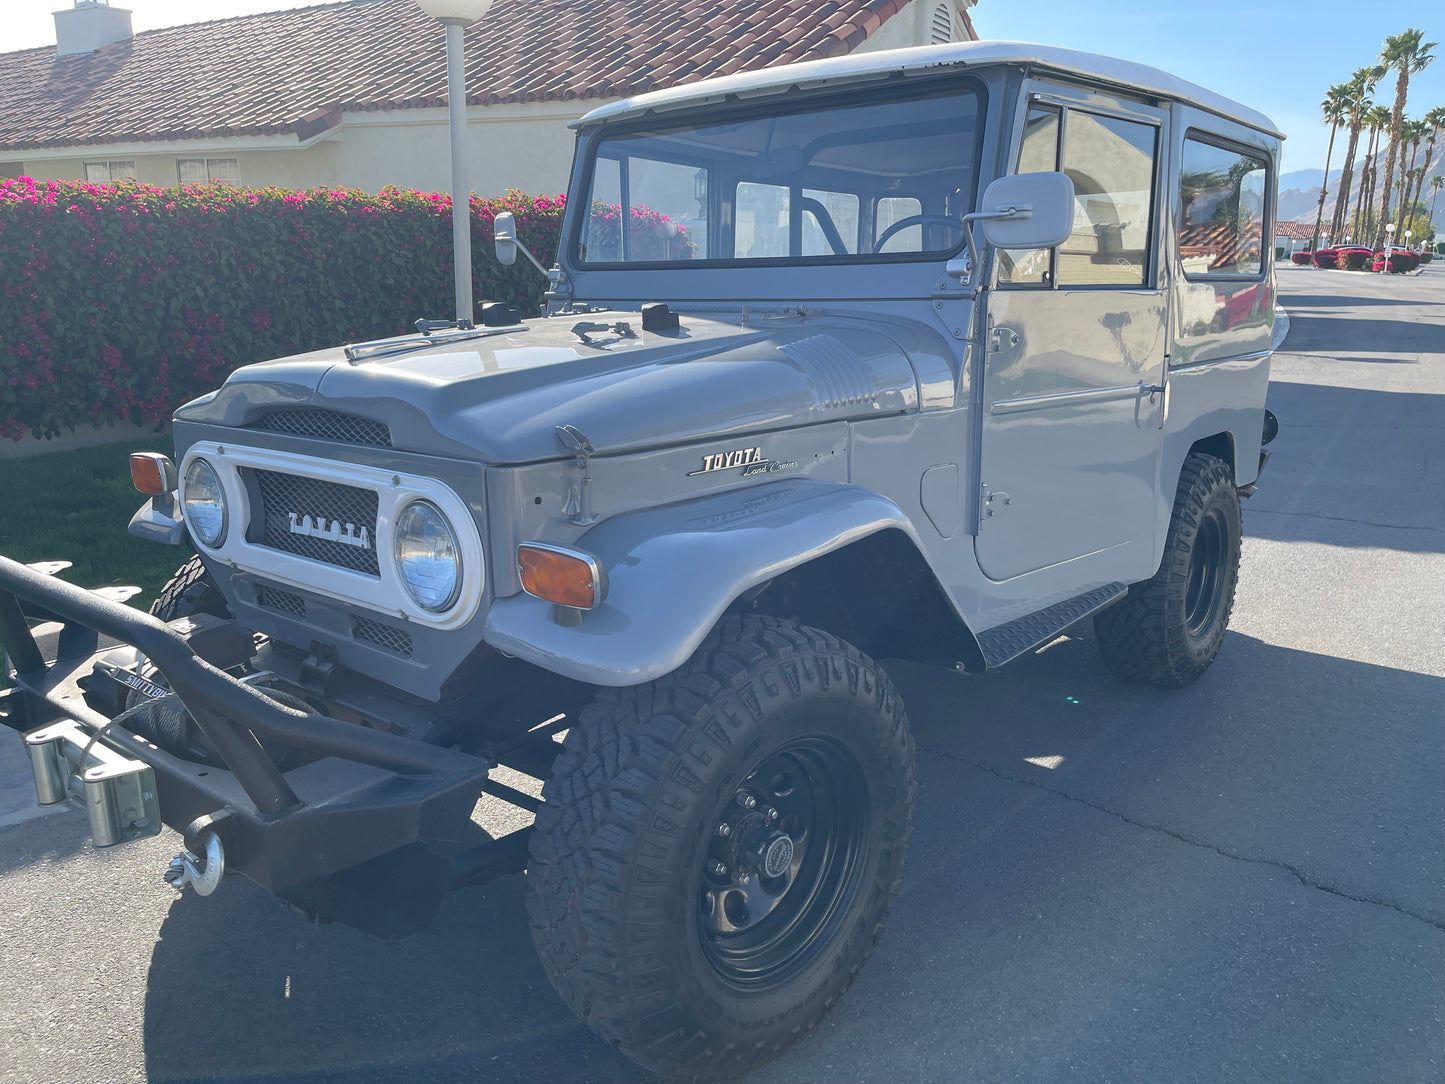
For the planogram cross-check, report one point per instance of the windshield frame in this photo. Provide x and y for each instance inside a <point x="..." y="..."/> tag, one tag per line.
<point x="899" y="86"/>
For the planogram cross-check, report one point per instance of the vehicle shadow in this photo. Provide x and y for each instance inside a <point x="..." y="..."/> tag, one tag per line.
<point x="243" y="989"/>
<point x="1276" y="754"/>
<point x="1327" y="433"/>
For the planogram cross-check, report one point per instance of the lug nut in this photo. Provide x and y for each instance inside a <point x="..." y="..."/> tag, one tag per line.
<point x="772" y="814"/>
<point x="720" y="869"/>
<point x="744" y="877"/>
<point x="724" y="829"/>
<point x="747" y="801"/>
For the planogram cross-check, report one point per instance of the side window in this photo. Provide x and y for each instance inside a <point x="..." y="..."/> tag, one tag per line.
<point x="1038" y="153"/>
<point x="1111" y="163"/>
<point x="830" y="223"/>
<point x="890" y="211"/>
<point x="1221" y="200"/>
<point x="762" y="221"/>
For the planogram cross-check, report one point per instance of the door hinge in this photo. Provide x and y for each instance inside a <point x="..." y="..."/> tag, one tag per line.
<point x="991" y="502"/>
<point x="1002" y="338"/>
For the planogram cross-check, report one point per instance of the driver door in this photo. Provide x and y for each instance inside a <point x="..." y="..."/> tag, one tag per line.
<point x="1075" y="352"/>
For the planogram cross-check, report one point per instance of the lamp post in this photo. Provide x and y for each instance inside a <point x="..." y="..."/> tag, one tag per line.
<point x="1408" y="234"/>
<point x="1389" y="244"/>
<point x="456" y="16"/>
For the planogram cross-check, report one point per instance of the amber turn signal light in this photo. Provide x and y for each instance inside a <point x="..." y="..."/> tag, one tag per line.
<point x="152" y="473"/>
<point x="564" y="576"/>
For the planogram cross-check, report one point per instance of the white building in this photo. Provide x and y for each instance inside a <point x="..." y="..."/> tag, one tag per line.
<point x="353" y="93"/>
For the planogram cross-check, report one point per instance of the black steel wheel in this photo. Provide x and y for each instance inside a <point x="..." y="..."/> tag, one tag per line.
<point x="1168" y="629"/>
<point x="718" y="850"/>
<point x="784" y="863"/>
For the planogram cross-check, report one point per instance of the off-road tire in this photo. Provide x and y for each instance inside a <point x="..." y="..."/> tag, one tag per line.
<point x="1155" y="636"/>
<point x="190" y="591"/>
<point x="630" y="811"/>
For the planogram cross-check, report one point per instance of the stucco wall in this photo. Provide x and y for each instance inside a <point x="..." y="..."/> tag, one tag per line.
<point x="510" y="146"/>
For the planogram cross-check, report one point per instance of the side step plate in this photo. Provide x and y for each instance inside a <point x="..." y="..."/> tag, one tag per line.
<point x="1008" y="641"/>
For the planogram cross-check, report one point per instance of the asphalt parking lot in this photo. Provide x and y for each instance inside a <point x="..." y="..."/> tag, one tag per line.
<point x="1243" y="881"/>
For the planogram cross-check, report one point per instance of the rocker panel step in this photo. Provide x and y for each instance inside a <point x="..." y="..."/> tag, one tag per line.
<point x="1010" y="640"/>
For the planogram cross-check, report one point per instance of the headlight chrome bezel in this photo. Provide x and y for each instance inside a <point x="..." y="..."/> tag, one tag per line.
<point x="189" y="482"/>
<point x="401" y="523"/>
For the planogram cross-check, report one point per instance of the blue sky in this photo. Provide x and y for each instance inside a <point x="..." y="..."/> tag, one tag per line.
<point x="1276" y="55"/>
<point x="1279" y="56"/>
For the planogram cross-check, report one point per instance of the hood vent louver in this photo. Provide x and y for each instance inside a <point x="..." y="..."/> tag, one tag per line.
<point x="839" y="375"/>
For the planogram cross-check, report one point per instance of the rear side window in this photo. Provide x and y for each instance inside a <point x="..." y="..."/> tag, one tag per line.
<point x="1222" y="204"/>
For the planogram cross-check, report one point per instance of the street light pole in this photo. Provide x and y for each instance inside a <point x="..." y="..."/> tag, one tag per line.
<point x="456" y="16"/>
<point x="461" y="190"/>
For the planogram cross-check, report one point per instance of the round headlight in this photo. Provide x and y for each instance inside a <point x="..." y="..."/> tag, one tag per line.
<point x="204" y="502"/>
<point x="427" y="556"/>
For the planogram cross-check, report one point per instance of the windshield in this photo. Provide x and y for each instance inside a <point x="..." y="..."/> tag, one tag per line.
<point x="884" y="179"/>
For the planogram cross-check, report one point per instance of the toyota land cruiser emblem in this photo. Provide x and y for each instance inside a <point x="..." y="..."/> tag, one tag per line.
<point x="330" y="530"/>
<point x="740" y="457"/>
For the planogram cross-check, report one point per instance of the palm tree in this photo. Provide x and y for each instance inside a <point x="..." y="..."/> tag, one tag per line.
<point x="1407" y="52"/>
<point x="1411" y="132"/>
<point x="1377" y="117"/>
<point x="1335" y="110"/>
<point x="1437" y="182"/>
<point x="1359" y="87"/>
<point x="1434" y="120"/>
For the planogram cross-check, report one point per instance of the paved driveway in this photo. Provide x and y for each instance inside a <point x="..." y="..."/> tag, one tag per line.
<point x="1243" y="881"/>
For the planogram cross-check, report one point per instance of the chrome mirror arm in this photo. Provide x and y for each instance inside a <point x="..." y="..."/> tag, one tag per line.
<point x="964" y="272"/>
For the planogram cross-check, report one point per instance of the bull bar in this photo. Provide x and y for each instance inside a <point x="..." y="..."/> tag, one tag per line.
<point x="371" y="830"/>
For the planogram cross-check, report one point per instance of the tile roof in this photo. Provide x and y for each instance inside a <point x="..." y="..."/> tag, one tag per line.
<point x="1295" y="231"/>
<point x="296" y="71"/>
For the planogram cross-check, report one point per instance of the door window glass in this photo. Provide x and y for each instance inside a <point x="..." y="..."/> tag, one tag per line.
<point x="1111" y="163"/>
<point x="1221" y="200"/>
<point x="1038" y="153"/>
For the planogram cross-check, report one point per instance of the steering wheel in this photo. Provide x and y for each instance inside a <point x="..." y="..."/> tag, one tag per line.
<point x="917" y="220"/>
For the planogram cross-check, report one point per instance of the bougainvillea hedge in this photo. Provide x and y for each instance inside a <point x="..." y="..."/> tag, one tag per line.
<point x="120" y="302"/>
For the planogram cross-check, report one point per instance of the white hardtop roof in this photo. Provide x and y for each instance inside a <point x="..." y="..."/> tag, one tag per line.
<point x="924" y="59"/>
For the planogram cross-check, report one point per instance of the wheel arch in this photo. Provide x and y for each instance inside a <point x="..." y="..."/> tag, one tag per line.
<point x="779" y="549"/>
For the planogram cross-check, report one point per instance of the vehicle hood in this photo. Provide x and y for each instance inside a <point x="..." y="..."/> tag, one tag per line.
<point x="500" y="398"/>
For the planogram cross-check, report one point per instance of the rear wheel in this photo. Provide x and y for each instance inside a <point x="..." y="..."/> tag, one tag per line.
<point x="1168" y="629"/>
<point x="718" y="850"/>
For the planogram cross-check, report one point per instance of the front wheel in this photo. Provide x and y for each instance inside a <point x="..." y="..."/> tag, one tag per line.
<point x="1168" y="629"/>
<point x="718" y="850"/>
<point x="190" y="591"/>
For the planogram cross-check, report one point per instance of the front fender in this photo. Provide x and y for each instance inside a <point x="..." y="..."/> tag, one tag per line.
<point x="675" y="569"/>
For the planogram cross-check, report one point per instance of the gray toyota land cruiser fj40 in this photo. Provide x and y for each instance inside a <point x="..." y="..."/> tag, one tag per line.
<point x="928" y="354"/>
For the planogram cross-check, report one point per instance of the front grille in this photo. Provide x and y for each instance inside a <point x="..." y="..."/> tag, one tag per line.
<point x="288" y="498"/>
<point x="326" y="425"/>
<point x="274" y="599"/>
<point x="393" y="639"/>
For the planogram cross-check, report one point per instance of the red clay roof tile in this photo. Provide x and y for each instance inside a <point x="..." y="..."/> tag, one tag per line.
<point x="296" y="71"/>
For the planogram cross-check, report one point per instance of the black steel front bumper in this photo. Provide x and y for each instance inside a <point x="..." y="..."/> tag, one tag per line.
<point x="371" y="830"/>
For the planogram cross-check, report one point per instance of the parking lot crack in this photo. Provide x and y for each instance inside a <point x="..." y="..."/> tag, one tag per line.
<point x="1294" y="871"/>
<point x="1347" y="519"/>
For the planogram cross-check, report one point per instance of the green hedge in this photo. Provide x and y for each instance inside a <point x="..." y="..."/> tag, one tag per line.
<point x="120" y="302"/>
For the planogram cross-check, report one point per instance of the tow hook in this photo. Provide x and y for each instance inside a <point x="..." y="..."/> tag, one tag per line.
<point x="202" y="874"/>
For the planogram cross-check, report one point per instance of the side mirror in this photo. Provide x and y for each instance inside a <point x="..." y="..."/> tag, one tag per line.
<point x="1028" y="210"/>
<point x="504" y="235"/>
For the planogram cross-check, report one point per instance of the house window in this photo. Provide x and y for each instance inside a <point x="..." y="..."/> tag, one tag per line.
<point x="206" y="170"/>
<point x="109" y="172"/>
